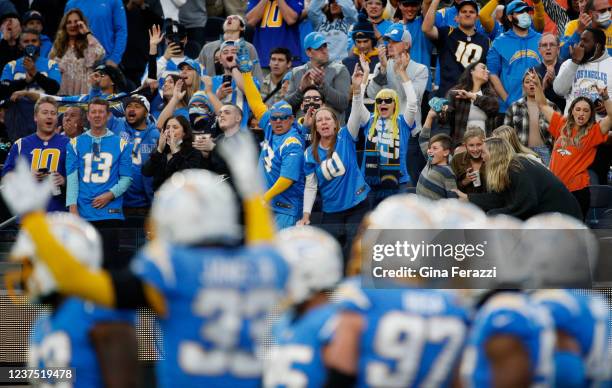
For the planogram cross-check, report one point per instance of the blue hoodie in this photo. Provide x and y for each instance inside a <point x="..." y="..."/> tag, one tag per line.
<point x="509" y="58"/>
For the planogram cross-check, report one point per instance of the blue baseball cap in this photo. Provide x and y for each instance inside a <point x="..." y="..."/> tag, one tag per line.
<point x="281" y="108"/>
<point x="463" y="3"/>
<point x="201" y="96"/>
<point x="397" y="33"/>
<point x="314" y="40"/>
<point x="195" y="65"/>
<point x="517" y="6"/>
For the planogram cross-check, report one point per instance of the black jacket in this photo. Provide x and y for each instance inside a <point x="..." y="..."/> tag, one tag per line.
<point x="160" y="168"/>
<point x="533" y="190"/>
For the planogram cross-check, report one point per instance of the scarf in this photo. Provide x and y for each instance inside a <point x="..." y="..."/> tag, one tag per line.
<point x="382" y="156"/>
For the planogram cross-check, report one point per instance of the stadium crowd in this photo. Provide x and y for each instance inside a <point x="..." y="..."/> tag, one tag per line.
<point x="136" y="108"/>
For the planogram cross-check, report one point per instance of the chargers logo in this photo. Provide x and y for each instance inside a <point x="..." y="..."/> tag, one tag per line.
<point x="524" y="54"/>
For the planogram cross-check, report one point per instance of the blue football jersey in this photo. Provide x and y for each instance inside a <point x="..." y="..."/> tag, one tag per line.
<point x="586" y="319"/>
<point x="236" y="98"/>
<point x="100" y="162"/>
<point x="297" y="359"/>
<point x="412" y="337"/>
<point x="514" y="314"/>
<point x="14" y="70"/>
<point x="61" y="339"/>
<point x="50" y="154"/>
<point x="217" y="300"/>
<point x="340" y="180"/>
<point x="283" y="156"/>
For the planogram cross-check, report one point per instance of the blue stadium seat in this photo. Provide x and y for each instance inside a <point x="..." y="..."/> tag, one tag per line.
<point x="601" y="200"/>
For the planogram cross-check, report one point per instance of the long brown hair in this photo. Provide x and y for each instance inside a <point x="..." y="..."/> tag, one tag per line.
<point x="60" y="46"/>
<point x="566" y="132"/>
<point x="501" y="158"/>
<point x="316" y="138"/>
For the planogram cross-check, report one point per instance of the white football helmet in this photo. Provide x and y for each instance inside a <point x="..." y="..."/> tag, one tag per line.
<point x="195" y="206"/>
<point x="402" y="211"/>
<point x="78" y="236"/>
<point x="315" y="259"/>
<point x="455" y="214"/>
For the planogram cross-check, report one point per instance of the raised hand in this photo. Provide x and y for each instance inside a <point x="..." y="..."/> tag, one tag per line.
<point x="82" y="27"/>
<point x="365" y="67"/>
<point x="178" y="93"/>
<point x="577" y="53"/>
<point x="155" y="35"/>
<point x="357" y="79"/>
<point x="241" y="155"/>
<point x="22" y="192"/>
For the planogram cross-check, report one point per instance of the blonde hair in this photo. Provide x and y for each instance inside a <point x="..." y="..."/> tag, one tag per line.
<point x="473" y="131"/>
<point x="501" y="158"/>
<point x="386" y="93"/>
<point x="508" y="133"/>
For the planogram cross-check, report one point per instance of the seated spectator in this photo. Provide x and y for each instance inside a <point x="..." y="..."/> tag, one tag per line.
<point x="520" y="187"/>
<point x="528" y="120"/>
<point x="437" y="180"/>
<point x="387" y="132"/>
<point x="73" y="122"/>
<point x="469" y="166"/>
<point x="233" y="30"/>
<point x="332" y="78"/>
<point x="472" y="102"/>
<point x="508" y="133"/>
<point x="174" y="152"/>
<point x="76" y="51"/>
<point x="333" y="19"/>
<point x="45" y="151"/>
<point x="549" y="68"/>
<point x="10" y="29"/>
<point x="33" y="20"/>
<point x="272" y="85"/>
<point x="364" y="41"/>
<point x="577" y="136"/>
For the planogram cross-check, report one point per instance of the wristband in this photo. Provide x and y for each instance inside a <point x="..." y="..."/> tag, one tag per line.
<point x="605" y="98"/>
<point x="88" y="33"/>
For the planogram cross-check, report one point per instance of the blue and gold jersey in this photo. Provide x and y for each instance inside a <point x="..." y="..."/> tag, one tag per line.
<point x="218" y="300"/>
<point x="100" y="162"/>
<point x="50" y="154"/>
<point x="340" y="180"/>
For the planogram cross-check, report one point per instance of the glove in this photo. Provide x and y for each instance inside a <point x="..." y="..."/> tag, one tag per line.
<point x="243" y="58"/>
<point x="22" y="192"/>
<point x="240" y="154"/>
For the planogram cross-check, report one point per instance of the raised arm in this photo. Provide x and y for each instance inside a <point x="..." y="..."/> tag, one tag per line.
<point x="538" y="15"/>
<point x="412" y="101"/>
<point x="177" y="95"/>
<point x="359" y="113"/>
<point x="256" y="13"/>
<point x="545" y="109"/>
<point x="486" y="15"/>
<point x="256" y="104"/>
<point x="315" y="13"/>
<point x="428" y="27"/>
<point x="289" y="15"/>
<point x="607" y="121"/>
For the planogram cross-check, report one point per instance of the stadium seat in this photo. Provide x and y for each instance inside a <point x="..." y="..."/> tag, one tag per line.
<point x="601" y="200"/>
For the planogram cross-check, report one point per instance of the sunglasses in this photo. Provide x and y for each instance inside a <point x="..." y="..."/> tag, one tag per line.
<point x="384" y="100"/>
<point x="279" y="118"/>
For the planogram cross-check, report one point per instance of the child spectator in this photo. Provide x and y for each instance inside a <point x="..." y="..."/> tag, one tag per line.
<point x="437" y="178"/>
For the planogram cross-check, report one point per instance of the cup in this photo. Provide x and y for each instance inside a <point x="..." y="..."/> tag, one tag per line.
<point x="476" y="182"/>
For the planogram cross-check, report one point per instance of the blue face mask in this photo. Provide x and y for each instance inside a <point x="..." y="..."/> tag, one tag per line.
<point x="524" y="20"/>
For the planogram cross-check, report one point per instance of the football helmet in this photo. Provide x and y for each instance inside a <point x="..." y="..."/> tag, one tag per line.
<point x="315" y="259"/>
<point x="195" y="206"/>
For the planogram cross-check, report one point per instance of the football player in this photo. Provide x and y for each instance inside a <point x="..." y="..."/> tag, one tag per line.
<point x="212" y="294"/>
<point x="304" y="331"/>
<point x="99" y="344"/>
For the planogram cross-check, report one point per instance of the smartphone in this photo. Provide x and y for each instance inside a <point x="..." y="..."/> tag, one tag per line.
<point x="43" y="171"/>
<point x="197" y="136"/>
<point x="227" y="79"/>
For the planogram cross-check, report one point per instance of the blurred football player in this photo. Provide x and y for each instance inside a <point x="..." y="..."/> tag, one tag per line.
<point x="402" y="336"/>
<point x="303" y="333"/>
<point x="212" y="294"/>
<point x="100" y="344"/>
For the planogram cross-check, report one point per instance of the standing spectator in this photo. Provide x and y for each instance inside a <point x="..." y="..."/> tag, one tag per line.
<point x="140" y="18"/>
<point x="233" y="30"/>
<point x="589" y="68"/>
<point x="174" y="152"/>
<point x="457" y="47"/>
<point x="506" y="64"/>
<point x="33" y="20"/>
<point x="437" y="180"/>
<point x="332" y="78"/>
<point x="549" y="47"/>
<point x="45" y="150"/>
<point x="193" y="16"/>
<point x="98" y="165"/>
<point x="276" y="25"/>
<point x="272" y="85"/>
<point x="494" y="28"/>
<point x="108" y="24"/>
<point x="577" y="136"/>
<point x="596" y="15"/>
<point x="447" y="17"/>
<point x="364" y="41"/>
<point x="73" y="122"/>
<point x="412" y="12"/>
<point x="333" y="18"/>
<point x="469" y="166"/>
<point x="10" y="28"/>
<point x="76" y="51"/>
<point x="375" y="10"/>
<point x="525" y="116"/>
<point x="176" y="39"/>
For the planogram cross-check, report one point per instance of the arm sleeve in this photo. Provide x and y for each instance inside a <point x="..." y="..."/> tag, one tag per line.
<point x="494" y="61"/>
<point x="337" y="95"/>
<point x="487" y="201"/>
<point x="562" y="84"/>
<point x="258" y="107"/>
<point x="359" y="116"/>
<point x="489" y="104"/>
<point x="349" y="11"/>
<point x="11" y="159"/>
<point x="486" y="15"/>
<point x="377" y="82"/>
<point x="315" y="13"/>
<point x="120" y="32"/>
<point x="538" y="16"/>
<point x="524" y="196"/>
<point x="280" y="186"/>
<point x="412" y="106"/>
<point x="122" y="186"/>
<point x="419" y="83"/>
<point x="154" y="164"/>
<point x="72" y="173"/>
<point x="310" y="192"/>
<point x="49" y="85"/>
<point x="424" y="137"/>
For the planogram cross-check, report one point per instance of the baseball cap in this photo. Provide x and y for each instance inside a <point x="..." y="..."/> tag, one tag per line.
<point x="314" y="40"/>
<point x="410" y="2"/>
<point x="201" y="96"/>
<point x="175" y="28"/>
<point x="227" y="43"/>
<point x="463" y="3"/>
<point x="281" y="108"/>
<point x="142" y="100"/>
<point x="397" y="33"/>
<point x="115" y="75"/>
<point x="195" y="65"/>
<point x="517" y="6"/>
<point x="32" y="15"/>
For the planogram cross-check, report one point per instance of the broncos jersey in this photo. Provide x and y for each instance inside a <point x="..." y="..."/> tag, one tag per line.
<point x="340" y="181"/>
<point x="50" y="154"/>
<point x="297" y="359"/>
<point x="587" y="320"/>
<point x="412" y="337"/>
<point x="99" y="162"/>
<point x="217" y="301"/>
<point x="283" y="156"/>
<point x="514" y="314"/>
<point x="61" y="339"/>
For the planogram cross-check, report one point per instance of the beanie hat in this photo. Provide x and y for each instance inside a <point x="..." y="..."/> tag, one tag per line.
<point x="363" y="28"/>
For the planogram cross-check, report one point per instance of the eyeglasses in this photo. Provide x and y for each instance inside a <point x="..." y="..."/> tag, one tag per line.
<point x="279" y="118"/>
<point x="384" y="100"/>
<point x="313" y="98"/>
<point x="546" y="45"/>
<point x="604" y="10"/>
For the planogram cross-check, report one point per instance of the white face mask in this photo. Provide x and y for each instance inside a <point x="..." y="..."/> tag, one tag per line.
<point x="524" y="20"/>
<point x="604" y="18"/>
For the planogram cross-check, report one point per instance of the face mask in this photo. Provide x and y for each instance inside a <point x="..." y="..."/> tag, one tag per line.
<point x="196" y="110"/>
<point x="603" y="19"/>
<point x="524" y="20"/>
<point x="31" y="50"/>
